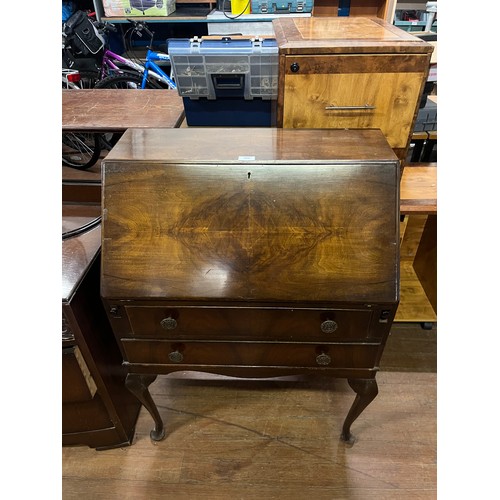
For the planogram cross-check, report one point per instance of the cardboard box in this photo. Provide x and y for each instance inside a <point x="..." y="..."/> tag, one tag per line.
<point x="136" y="8"/>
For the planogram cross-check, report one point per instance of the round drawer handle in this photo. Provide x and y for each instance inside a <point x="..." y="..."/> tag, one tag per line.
<point x="294" y="67"/>
<point x="328" y="326"/>
<point x="175" y="357"/>
<point x="323" y="359"/>
<point x="168" y="323"/>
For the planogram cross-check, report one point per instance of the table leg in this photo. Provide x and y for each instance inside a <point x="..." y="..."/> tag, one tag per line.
<point x="427" y="150"/>
<point x="417" y="150"/>
<point x="366" y="390"/>
<point x="138" y="384"/>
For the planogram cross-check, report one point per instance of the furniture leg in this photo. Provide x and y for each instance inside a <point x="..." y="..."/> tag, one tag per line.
<point x="427" y="150"/>
<point x="138" y="384"/>
<point x="366" y="390"/>
<point x="417" y="150"/>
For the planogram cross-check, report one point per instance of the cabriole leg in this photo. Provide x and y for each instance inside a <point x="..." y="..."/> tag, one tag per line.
<point x="138" y="384"/>
<point x="366" y="390"/>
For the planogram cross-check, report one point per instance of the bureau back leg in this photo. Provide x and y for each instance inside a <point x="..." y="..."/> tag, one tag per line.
<point x="138" y="384"/>
<point x="366" y="390"/>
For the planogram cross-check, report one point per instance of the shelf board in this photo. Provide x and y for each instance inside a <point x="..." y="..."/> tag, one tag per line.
<point x="414" y="305"/>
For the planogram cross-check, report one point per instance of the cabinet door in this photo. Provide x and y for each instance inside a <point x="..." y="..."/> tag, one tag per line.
<point x="354" y="91"/>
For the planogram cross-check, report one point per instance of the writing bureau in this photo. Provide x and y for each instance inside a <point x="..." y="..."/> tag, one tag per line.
<point x="251" y="252"/>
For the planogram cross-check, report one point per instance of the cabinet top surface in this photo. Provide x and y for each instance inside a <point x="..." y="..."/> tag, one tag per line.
<point x="289" y="231"/>
<point x="78" y="252"/>
<point x="248" y="145"/>
<point x="344" y="33"/>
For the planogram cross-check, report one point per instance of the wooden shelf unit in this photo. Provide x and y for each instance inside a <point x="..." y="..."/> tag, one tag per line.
<point x="383" y="9"/>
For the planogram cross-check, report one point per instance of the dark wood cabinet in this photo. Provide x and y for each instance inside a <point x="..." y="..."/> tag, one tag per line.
<point x="97" y="409"/>
<point x="251" y="252"/>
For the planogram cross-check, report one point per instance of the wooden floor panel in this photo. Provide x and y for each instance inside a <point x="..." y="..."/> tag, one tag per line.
<point x="269" y="439"/>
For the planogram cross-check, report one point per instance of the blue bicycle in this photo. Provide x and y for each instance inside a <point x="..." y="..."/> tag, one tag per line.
<point x="127" y="74"/>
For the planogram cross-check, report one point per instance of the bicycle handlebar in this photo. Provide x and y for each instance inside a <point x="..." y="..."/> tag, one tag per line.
<point x="140" y="26"/>
<point x="105" y="26"/>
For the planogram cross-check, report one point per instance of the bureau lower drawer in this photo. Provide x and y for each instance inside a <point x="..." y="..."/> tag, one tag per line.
<point x="236" y="323"/>
<point x="163" y="352"/>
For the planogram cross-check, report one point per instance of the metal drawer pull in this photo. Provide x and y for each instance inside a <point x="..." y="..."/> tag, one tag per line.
<point x="175" y="357"/>
<point x="323" y="359"/>
<point x="328" y="326"/>
<point x="350" y="108"/>
<point x="168" y="323"/>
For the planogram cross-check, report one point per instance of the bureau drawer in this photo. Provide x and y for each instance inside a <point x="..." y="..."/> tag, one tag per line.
<point x="233" y="323"/>
<point x="163" y="352"/>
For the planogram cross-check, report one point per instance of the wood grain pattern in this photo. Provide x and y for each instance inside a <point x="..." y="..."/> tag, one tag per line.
<point x="250" y="146"/>
<point x="419" y="189"/>
<point x="115" y="110"/>
<point x="320" y="35"/>
<point x="221" y="234"/>
<point x="272" y="439"/>
<point x="365" y="8"/>
<point x="414" y="305"/>
<point x="97" y="410"/>
<point x="205" y="354"/>
<point x="250" y="323"/>
<point x="425" y="262"/>
<point x="275" y="230"/>
<point x="78" y="253"/>
<point x="393" y="95"/>
<point x="350" y="61"/>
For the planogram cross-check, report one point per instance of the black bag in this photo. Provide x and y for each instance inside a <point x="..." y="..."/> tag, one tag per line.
<point x="83" y="34"/>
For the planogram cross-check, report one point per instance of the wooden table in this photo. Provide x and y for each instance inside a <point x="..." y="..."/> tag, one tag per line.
<point x="418" y="201"/>
<point x="112" y="110"/>
<point x="419" y="189"/>
<point x="268" y="252"/>
<point x="116" y="110"/>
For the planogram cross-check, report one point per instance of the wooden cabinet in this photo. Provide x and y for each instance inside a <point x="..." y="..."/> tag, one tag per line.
<point x="265" y="252"/>
<point x="97" y="409"/>
<point x="383" y="9"/>
<point x="350" y="73"/>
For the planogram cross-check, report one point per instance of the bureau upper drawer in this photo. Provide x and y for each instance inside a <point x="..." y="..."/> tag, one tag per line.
<point x="251" y="354"/>
<point x="220" y="323"/>
<point x="353" y="91"/>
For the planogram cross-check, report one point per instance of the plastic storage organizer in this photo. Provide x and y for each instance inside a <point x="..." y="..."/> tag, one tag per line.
<point x="211" y="69"/>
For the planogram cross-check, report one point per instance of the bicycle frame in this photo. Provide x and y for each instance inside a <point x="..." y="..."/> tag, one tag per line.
<point x="66" y="82"/>
<point x="155" y="70"/>
<point x="111" y="61"/>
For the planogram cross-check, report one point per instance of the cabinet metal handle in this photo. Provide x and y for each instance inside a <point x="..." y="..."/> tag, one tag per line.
<point x="168" y="323"/>
<point x="175" y="357"/>
<point x="328" y="326"/>
<point x="323" y="359"/>
<point x="350" y="108"/>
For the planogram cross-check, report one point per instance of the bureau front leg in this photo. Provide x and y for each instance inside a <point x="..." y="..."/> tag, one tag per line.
<point x="366" y="390"/>
<point x="138" y="385"/>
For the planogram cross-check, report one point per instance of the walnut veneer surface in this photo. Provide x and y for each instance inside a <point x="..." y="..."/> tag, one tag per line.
<point x="251" y="252"/>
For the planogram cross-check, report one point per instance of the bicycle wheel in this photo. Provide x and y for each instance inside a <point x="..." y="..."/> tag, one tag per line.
<point x="125" y="81"/>
<point x="80" y="150"/>
<point x="109" y="140"/>
<point x="88" y="79"/>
